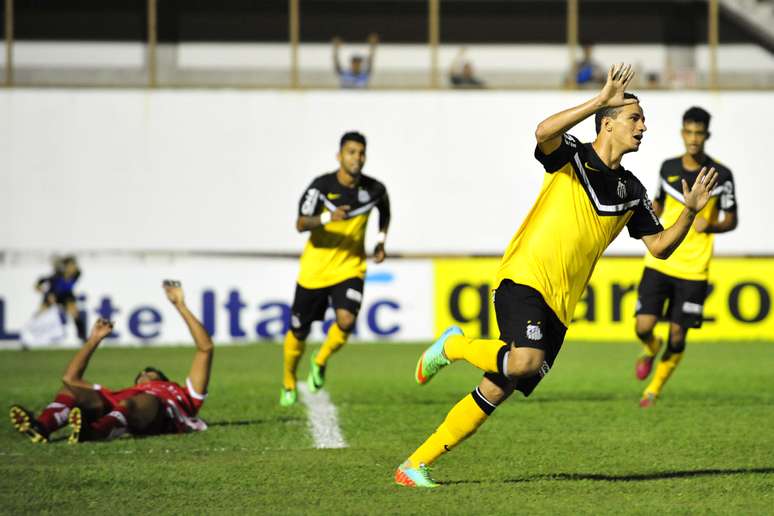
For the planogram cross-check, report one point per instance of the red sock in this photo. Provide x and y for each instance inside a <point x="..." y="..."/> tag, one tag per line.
<point x="54" y="416"/>
<point x="111" y="425"/>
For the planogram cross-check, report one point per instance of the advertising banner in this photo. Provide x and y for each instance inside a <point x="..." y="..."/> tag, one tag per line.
<point x="237" y="300"/>
<point x="738" y="306"/>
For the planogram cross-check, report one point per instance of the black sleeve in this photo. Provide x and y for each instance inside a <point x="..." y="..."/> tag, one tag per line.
<point x="660" y="193"/>
<point x="728" y="196"/>
<point x="644" y="221"/>
<point x="384" y="211"/>
<point x="43" y="280"/>
<point x="561" y="156"/>
<point x="311" y="201"/>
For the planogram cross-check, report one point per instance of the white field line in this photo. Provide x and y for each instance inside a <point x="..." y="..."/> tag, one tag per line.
<point x="323" y="419"/>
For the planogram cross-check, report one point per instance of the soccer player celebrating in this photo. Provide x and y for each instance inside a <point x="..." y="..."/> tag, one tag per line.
<point x="681" y="279"/>
<point x="586" y="199"/>
<point x="154" y="405"/>
<point x="335" y="210"/>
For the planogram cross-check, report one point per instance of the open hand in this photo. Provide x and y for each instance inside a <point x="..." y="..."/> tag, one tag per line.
<point x="618" y="78"/>
<point x="699" y="194"/>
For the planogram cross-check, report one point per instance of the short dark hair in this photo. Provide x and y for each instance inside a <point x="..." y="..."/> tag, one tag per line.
<point x="698" y="115"/>
<point x="150" y="369"/>
<point x="610" y="112"/>
<point x="352" y="136"/>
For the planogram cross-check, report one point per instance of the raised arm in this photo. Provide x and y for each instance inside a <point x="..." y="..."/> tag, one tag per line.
<point x="373" y="43"/>
<point x="662" y="245"/>
<point x="336" y="49"/>
<point x="199" y="375"/>
<point x="73" y="375"/>
<point x="729" y="223"/>
<point x="549" y="132"/>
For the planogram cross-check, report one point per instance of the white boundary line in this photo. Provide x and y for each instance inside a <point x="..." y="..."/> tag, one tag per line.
<point x="323" y="418"/>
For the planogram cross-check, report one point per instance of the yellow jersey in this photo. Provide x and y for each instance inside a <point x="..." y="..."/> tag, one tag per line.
<point x="691" y="259"/>
<point x="581" y="208"/>
<point x="336" y="252"/>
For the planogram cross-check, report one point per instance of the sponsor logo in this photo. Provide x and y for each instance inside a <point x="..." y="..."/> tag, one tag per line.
<point x="354" y="295"/>
<point x="333" y="196"/>
<point x="588" y="166"/>
<point x="672" y="179"/>
<point x="692" y="308"/>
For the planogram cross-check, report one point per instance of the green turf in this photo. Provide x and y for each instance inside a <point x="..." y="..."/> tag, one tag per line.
<point x="580" y="444"/>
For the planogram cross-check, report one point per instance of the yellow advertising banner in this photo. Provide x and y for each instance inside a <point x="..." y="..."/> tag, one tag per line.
<point x="738" y="306"/>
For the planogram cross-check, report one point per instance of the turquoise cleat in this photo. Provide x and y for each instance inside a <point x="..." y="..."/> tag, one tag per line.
<point x="407" y="476"/>
<point x="433" y="359"/>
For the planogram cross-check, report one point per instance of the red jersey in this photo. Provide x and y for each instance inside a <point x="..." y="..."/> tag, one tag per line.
<point x="181" y="404"/>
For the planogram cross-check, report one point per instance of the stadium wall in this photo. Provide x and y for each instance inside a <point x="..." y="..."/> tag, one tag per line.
<point x="245" y="300"/>
<point x="222" y="170"/>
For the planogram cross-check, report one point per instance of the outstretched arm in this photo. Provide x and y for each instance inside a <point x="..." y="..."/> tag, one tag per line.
<point x="663" y="244"/>
<point x="373" y="42"/>
<point x="202" y="361"/>
<point x="549" y="132"/>
<point x="336" y="48"/>
<point x="73" y="375"/>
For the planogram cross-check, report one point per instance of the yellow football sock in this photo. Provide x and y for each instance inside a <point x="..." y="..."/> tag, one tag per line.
<point x="664" y="370"/>
<point x="292" y="351"/>
<point x="333" y="342"/>
<point x="653" y="346"/>
<point x="482" y="353"/>
<point x="461" y="421"/>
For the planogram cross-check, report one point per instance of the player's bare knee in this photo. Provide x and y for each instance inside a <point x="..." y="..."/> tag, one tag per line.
<point x="524" y="362"/>
<point x="345" y="321"/>
<point x="493" y="392"/>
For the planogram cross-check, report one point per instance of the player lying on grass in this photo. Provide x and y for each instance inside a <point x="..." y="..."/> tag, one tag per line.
<point x="586" y="200"/>
<point x="154" y="405"/>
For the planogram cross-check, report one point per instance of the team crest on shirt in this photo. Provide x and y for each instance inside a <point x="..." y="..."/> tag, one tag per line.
<point x="363" y="196"/>
<point x="621" y="190"/>
<point x="533" y="331"/>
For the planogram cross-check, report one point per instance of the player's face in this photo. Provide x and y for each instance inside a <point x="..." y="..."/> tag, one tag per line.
<point x="352" y="157"/>
<point x="147" y="376"/>
<point x="629" y="127"/>
<point x="694" y="136"/>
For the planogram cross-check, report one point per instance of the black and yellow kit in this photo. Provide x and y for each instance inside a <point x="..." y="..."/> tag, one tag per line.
<point x="581" y="208"/>
<point x="335" y="253"/>
<point x="682" y="278"/>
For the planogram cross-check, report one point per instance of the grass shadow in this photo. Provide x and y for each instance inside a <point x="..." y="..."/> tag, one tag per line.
<point x="658" y="475"/>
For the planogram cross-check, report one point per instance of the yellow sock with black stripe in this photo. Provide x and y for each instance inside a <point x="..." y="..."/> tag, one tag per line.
<point x="664" y="370"/>
<point x="333" y="342"/>
<point x="461" y="422"/>
<point x="292" y="351"/>
<point x="486" y="354"/>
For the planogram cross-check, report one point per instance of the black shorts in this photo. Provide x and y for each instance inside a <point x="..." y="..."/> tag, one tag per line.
<point x="310" y="304"/>
<point x="525" y="320"/>
<point x="686" y="298"/>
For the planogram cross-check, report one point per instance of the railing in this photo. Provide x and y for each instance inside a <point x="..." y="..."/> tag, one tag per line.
<point x="150" y="74"/>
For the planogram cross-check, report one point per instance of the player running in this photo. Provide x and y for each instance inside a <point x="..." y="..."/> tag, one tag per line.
<point x="682" y="279"/>
<point x="586" y="199"/>
<point x="154" y="405"/>
<point x="335" y="210"/>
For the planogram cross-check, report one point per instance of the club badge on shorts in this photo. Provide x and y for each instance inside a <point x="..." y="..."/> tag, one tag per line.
<point x="533" y="331"/>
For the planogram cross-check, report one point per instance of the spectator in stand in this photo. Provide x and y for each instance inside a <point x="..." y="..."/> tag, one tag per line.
<point x="587" y="71"/>
<point x="359" y="72"/>
<point x="461" y="73"/>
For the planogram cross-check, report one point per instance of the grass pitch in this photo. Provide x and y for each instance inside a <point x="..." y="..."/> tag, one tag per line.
<point x="580" y="444"/>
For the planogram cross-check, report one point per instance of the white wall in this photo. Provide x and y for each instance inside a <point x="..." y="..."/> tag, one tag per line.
<point x="223" y="170"/>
